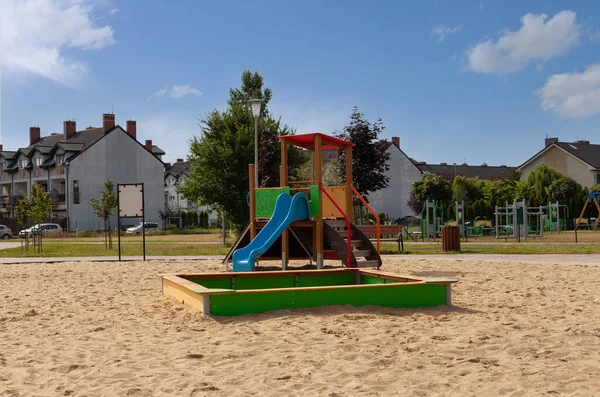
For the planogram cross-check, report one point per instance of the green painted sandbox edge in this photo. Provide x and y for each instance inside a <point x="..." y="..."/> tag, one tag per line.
<point x="391" y="295"/>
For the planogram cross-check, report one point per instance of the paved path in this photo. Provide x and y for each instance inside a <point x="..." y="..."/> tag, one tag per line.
<point x="5" y="245"/>
<point x="572" y="259"/>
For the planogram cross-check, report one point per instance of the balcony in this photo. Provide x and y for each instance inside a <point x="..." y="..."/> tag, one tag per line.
<point x="57" y="198"/>
<point x="10" y="201"/>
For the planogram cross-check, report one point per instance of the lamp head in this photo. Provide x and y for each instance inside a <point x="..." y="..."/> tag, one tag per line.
<point x="256" y="104"/>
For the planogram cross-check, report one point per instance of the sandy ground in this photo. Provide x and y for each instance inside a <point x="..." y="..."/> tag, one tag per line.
<point x="103" y="329"/>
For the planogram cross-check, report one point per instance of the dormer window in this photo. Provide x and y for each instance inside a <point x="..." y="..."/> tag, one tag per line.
<point x="38" y="161"/>
<point x="24" y="163"/>
<point x="60" y="159"/>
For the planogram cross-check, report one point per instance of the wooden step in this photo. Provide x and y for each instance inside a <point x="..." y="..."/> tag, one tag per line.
<point x="344" y="233"/>
<point x="354" y="243"/>
<point x="362" y="253"/>
<point x="336" y="223"/>
<point x="371" y="263"/>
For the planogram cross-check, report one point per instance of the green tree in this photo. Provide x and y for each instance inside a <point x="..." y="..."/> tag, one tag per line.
<point x="432" y="187"/>
<point x="40" y="208"/>
<point x="220" y="156"/>
<point x="369" y="156"/>
<point x="534" y="187"/>
<point x="467" y="190"/>
<point x="23" y="214"/>
<point x="104" y="208"/>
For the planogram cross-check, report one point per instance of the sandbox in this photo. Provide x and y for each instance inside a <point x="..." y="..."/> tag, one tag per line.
<point x="229" y="294"/>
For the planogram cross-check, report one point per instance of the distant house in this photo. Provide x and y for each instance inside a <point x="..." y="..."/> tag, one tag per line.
<point x="579" y="160"/>
<point x="72" y="167"/>
<point x="175" y="175"/>
<point x="404" y="171"/>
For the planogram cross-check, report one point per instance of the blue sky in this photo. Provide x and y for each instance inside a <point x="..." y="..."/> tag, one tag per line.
<point x="475" y="81"/>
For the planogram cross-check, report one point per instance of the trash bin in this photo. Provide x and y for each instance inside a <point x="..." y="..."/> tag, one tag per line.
<point x="450" y="238"/>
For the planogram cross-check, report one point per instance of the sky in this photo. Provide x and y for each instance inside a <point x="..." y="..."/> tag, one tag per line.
<point x="458" y="81"/>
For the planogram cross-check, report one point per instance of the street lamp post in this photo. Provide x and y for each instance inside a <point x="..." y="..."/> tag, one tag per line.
<point x="256" y="104"/>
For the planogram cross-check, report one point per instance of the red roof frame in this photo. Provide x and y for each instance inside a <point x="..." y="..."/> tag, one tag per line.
<point x="307" y="141"/>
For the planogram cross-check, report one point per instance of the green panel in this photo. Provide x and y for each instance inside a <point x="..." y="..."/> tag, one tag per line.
<point x="322" y="280"/>
<point x="315" y="200"/>
<point x="367" y="279"/>
<point x="401" y="295"/>
<point x="265" y="282"/>
<point x="213" y="282"/>
<point x="266" y="199"/>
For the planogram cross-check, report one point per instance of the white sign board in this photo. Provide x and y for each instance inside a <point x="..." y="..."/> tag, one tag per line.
<point x="131" y="201"/>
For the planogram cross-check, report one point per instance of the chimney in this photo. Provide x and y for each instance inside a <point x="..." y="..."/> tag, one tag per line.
<point x="108" y="121"/>
<point x="180" y="160"/>
<point x="396" y="141"/>
<point x="550" y="141"/>
<point x="149" y="144"/>
<point x="167" y="166"/>
<point x="132" y="129"/>
<point x="443" y="163"/>
<point x="34" y="135"/>
<point x="69" y="128"/>
<point x="484" y="165"/>
<point x="1" y="148"/>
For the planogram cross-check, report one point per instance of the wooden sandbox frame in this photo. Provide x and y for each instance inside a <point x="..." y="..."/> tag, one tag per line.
<point x="230" y="294"/>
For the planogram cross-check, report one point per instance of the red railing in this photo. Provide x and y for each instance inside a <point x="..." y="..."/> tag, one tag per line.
<point x="374" y="214"/>
<point x="348" y="225"/>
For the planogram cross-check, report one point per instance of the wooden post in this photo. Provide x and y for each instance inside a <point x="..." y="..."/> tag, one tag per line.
<point x="283" y="179"/>
<point x="318" y="170"/>
<point x="349" y="207"/>
<point x="252" y="193"/>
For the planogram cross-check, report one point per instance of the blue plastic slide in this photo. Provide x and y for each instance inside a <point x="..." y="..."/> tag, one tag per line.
<point x="287" y="210"/>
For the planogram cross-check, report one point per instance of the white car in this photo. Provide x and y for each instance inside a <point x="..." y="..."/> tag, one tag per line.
<point x="137" y="229"/>
<point x="45" y="228"/>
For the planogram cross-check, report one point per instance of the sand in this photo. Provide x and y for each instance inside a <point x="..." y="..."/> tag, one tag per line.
<point x="103" y="329"/>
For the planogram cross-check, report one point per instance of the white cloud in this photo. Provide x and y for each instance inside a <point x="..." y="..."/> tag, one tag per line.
<point x="572" y="94"/>
<point x="539" y="38"/>
<point x="113" y="11"/>
<point x="442" y="31"/>
<point x="481" y="5"/>
<point x="177" y="91"/>
<point x="37" y="33"/>
<point x="539" y="67"/>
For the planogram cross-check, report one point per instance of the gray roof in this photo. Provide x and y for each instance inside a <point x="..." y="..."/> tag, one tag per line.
<point x="470" y="171"/>
<point x="177" y="169"/>
<point x="9" y="155"/>
<point x="583" y="150"/>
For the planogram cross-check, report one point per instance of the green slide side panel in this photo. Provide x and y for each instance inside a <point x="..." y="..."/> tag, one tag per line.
<point x="265" y="201"/>
<point x="410" y="296"/>
<point x="315" y="200"/>
<point x="366" y="279"/>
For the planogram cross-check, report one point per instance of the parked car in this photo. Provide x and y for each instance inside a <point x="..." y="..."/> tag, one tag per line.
<point x="408" y="220"/>
<point x="44" y="228"/>
<point x="149" y="227"/>
<point x="5" y="232"/>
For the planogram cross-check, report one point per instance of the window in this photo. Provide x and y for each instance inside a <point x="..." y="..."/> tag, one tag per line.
<point x="38" y="161"/>
<point x="75" y="192"/>
<point x="24" y="163"/>
<point x="60" y="159"/>
<point x="597" y="177"/>
<point x="171" y="198"/>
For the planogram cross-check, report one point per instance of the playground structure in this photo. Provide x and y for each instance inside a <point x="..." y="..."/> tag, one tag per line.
<point x="304" y="220"/>
<point x="468" y="229"/>
<point x="593" y="198"/>
<point x="554" y="222"/>
<point x="432" y="216"/>
<point x="229" y="294"/>
<point x="517" y="221"/>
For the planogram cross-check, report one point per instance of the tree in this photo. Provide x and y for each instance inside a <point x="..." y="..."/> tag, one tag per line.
<point x="40" y="208"/>
<point x="23" y="214"/>
<point x="533" y="188"/>
<point x="467" y="190"/>
<point x="369" y="156"/>
<point x="220" y="156"/>
<point x="430" y="187"/>
<point x="104" y="208"/>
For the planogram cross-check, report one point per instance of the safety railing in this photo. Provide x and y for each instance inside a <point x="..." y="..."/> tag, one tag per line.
<point x="374" y="215"/>
<point x="348" y="225"/>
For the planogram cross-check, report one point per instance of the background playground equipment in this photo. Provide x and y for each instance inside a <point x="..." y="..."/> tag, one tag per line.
<point x="316" y="227"/>
<point x="554" y="222"/>
<point x="432" y="216"/>
<point x="516" y="220"/>
<point x="593" y="198"/>
<point x="468" y="229"/>
<point x="230" y="294"/>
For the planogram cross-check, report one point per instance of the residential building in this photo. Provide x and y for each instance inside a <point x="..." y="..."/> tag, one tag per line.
<point x="404" y="171"/>
<point x="579" y="160"/>
<point x="175" y="175"/>
<point x="73" y="166"/>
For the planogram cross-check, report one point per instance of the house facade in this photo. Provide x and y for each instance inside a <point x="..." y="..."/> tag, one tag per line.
<point x="404" y="171"/>
<point x="175" y="175"/>
<point x="579" y="160"/>
<point x="73" y="166"/>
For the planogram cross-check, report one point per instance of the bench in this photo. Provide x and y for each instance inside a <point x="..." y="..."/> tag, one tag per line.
<point x="394" y="233"/>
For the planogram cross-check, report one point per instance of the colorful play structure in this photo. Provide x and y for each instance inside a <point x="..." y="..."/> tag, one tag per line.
<point x="304" y="220"/>
<point x="515" y="221"/>
<point x="554" y="221"/>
